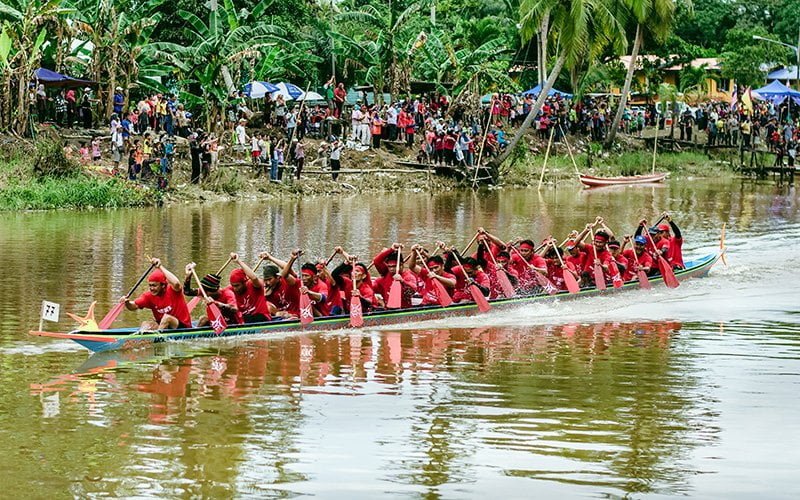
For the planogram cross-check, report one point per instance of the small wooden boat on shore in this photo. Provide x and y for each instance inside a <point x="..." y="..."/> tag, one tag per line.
<point x="129" y="338"/>
<point x="592" y="181"/>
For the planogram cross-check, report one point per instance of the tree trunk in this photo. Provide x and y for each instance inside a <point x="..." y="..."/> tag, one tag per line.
<point x="226" y="76"/>
<point x="623" y="100"/>
<point x="543" y="32"/>
<point x="512" y="144"/>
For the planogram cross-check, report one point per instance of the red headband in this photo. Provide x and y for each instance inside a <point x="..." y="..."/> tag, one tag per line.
<point x="363" y="268"/>
<point x="600" y="237"/>
<point x="526" y="245"/>
<point x="308" y="272"/>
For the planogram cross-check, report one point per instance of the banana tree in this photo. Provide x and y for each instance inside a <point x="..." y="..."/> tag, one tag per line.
<point x="23" y="34"/>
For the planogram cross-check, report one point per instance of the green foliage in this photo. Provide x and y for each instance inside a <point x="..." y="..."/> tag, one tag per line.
<point x="744" y="56"/>
<point x="74" y="192"/>
<point x="49" y="160"/>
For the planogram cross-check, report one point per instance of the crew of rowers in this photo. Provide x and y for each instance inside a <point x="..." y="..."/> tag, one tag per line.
<point x="529" y="269"/>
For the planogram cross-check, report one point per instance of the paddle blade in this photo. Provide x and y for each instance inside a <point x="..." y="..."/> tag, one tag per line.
<point x="571" y="282"/>
<point x="545" y="283"/>
<point x="666" y="271"/>
<point x="356" y="313"/>
<point x="395" y="295"/>
<point x="193" y="303"/>
<point x="306" y="313"/>
<point x="643" y="281"/>
<point x="477" y="296"/>
<point x="441" y="293"/>
<point x="216" y="319"/>
<point x="599" y="278"/>
<point x="111" y="316"/>
<point x="505" y="284"/>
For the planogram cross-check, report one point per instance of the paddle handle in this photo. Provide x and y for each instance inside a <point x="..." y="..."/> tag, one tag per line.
<point x="397" y="264"/>
<point x="470" y="243"/>
<point x="224" y="266"/>
<point x="199" y="284"/>
<point x="466" y="276"/>
<point x="330" y="258"/>
<point x="258" y="264"/>
<point x="141" y="278"/>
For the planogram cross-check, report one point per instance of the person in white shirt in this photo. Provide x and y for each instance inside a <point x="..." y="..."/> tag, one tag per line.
<point x="391" y="120"/>
<point x="241" y="138"/>
<point x="355" y="123"/>
<point x="336" y="152"/>
<point x="255" y="150"/>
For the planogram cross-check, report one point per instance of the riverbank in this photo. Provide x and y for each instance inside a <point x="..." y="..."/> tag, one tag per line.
<point x="39" y="176"/>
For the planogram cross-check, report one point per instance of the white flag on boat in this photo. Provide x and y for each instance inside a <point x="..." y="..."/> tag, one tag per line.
<point x="50" y="311"/>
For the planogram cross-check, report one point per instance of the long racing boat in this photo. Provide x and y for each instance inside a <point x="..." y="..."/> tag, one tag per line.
<point x="131" y="338"/>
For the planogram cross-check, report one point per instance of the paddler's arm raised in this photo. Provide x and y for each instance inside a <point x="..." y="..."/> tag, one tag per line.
<point x="251" y="275"/>
<point x="675" y="230"/>
<point x="494" y="239"/>
<point x="286" y="272"/>
<point x="379" y="260"/>
<point x="187" y="282"/>
<point x="278" y="262"/>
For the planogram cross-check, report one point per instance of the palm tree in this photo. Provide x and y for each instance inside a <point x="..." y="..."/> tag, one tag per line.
<point x="578" y="26"/>
<point x="655" y="17"/>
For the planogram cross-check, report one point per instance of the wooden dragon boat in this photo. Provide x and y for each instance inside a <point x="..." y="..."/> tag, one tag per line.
<point x="130" y="338"/>
<point x="592" y="181"/>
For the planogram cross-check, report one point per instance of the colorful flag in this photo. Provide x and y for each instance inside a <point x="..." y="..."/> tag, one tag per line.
<point x="747" y="102"/>
<point x="734" y="98"/>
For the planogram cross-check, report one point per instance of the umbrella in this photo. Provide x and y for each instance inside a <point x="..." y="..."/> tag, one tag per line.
<point x="257" y="90"/>
<point x="313" y="96"/>
<point x="288" y="91"/>
<point x="535" y="91"/>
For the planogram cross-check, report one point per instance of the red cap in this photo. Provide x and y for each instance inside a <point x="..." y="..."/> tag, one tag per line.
<point x="157" y="276"/>
<point x="663" y="227"/>
<point x="238" y="276"/>
<point x="570" y="244"/>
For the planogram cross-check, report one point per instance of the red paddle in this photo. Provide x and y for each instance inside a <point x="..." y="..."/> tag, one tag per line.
<point x="396" y="290"/>
<point x="109" y="318"/>
<point x="502" y="277"/>
<point x="569" y="279"/>
<point x="215" y="317"/>
<point x="306" y="311"/>
<point x="356" y="313"/>
<point x="543" y="282"/>
<point x="477" y="295"/>
<point x="196" y="299"/>
<point x="666" y="269"/>
<point x="599" y="277"/>
<point x="643" y="281"/>
<point x="441" y="292"/>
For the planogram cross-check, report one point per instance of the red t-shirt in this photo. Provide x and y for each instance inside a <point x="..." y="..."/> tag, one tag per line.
<point x="252" y="300"/>
<point x="606" y="259"/>
<point x="429" y="295"/>
<point x="324" y="305"/>
<point x="495" y="289"/>
<point x="555" y="273"/>
<point x="675" y="253"/>
<point x="461" y="290"/>
<point x="527" y="280"/>
<point x="226" y="296"/>
<point x="645" y="260"/>
<point x="577" y="262"/>
<point x="170" y="302"/>
<point x="384" y="283"/>
<point x="286" y="298"/>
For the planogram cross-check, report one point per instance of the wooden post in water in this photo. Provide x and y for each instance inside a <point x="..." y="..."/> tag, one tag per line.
<point x="546" y="156"/>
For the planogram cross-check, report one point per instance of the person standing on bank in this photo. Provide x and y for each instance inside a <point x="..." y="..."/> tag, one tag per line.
<point x="336" y="154"/>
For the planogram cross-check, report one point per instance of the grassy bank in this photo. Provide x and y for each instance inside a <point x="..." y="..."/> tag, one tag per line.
<point x="527" y="166"/>
<point x="39" y="177"/>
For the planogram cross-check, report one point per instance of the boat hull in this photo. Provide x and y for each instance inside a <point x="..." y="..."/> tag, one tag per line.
<point x="592" y="181"/>
<point x="128" y="338"/>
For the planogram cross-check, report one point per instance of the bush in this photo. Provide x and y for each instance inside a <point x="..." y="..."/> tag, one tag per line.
<point x="49" y="160"/>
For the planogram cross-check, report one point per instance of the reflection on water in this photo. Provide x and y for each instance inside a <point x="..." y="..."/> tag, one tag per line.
<point x="689" y="392"/>
<point x="607" y="405"/>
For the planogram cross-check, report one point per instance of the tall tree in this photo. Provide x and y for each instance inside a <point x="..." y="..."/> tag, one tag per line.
<point x="577" y="26"/>
<point x="655" y="17"/>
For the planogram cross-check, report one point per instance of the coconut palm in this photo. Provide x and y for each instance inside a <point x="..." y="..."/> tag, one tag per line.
<point x="655" y="17"/>
<point x="577" y="26"/>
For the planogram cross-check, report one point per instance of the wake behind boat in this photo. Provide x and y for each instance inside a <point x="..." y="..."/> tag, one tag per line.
<point x="594" y="181"/>
<point x="130" y="338"/>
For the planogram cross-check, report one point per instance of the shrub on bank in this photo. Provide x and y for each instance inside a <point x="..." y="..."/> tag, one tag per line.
<point x="78" y="191"/>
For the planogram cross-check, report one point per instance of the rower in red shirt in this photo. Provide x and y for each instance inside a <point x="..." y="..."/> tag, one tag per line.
<point x="644" y="258"/>
<point x="476" y="276"/>
<point x="385" y="263"/>
<point x="316" y="289"/>
<point x="488" y="264"/>
<point x="675" y="243"/>
<point x="523" y="267"/>
<point x="361" y="280"/>
<point x="622" y="262"/>
<point x="282" y="287"/>
<point x="249" y="292"/>
<point x="575" y="257"/>
<point x="597" y="253"/>
<point x="555" y="271"/>
<point x="436" y="265"/>
<point x="224" y="298"/>
<point x="164" y="298"/>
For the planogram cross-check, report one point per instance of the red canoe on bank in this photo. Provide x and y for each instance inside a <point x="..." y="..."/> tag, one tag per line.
<point x="592" y="181"/>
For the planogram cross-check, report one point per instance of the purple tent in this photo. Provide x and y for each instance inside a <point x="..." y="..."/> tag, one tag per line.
<point x="52" y="79"/>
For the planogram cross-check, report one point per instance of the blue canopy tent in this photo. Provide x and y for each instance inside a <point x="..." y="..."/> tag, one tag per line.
<point x="553" y="91"/>
<point x="52" y="79"/>
<point x="776" y="92"/>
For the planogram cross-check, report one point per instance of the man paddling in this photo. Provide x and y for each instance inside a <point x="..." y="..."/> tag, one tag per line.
<point x="224" y="298"/>
<point x="642" y="257"/>
<point x="474" y="276"/>
<point x="164" y="298"/>
<point x="432" y="270"/>
<point x="316" y="289"/>
<point x="597" y="254"/>
<point x="386" y="263"/>
<point x="249" y="292"/>
<point x="524" y="262"/>
<point x="282" y="288"/>
<point x="674" y="254"/>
